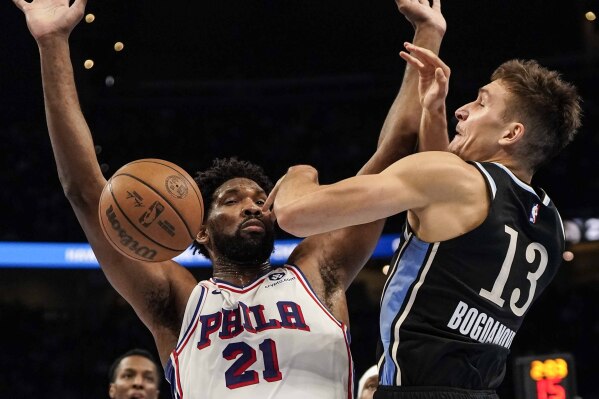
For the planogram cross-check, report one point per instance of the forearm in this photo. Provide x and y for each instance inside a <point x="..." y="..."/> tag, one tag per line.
<point x="433" y="130"/>
<point x="398" y="135"/>
<point x="71" y="139"/>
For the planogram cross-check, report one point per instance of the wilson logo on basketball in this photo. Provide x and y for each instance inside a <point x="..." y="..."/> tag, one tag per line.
<point x="128" y="242"/>
<point x="176" y="186"/>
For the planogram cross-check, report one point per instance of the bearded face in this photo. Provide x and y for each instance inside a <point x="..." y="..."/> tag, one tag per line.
<point x="238" y="230"/>
<point x="252" y="242"/>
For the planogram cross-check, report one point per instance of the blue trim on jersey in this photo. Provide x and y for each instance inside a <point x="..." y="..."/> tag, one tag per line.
<point x="169" y="374"/>
<point x="410" y="263"/>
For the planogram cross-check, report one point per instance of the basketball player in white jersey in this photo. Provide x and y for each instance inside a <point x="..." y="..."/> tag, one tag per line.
<point x="252" y="330"/>
<point x="481" y="243"/>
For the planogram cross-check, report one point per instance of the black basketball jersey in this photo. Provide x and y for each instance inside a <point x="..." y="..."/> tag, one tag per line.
<point x="450" y="309"/>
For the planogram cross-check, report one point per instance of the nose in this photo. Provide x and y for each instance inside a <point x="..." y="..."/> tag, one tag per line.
<point x="138" y="382"/>
<point x="252" y="209"/>
<point x="461" y="114"/>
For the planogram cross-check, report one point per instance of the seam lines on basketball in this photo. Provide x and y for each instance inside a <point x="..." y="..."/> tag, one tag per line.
<point x="133" y="224"/>
<point x="196" y="189"/>
<point x="193" y="183"/>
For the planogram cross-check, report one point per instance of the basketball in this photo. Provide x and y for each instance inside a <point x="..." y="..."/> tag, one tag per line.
<point x="151" y="210"/>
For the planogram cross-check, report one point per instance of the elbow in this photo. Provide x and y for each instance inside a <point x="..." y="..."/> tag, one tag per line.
<point x="82" y="196"/>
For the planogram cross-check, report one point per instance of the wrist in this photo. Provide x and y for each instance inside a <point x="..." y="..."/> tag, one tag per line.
<point x="52" y="40"/>
<point x="429" y="29"/>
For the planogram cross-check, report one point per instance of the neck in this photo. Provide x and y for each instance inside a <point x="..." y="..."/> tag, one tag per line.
<point x="521" y="172"/>
<point x="238" y="273"/>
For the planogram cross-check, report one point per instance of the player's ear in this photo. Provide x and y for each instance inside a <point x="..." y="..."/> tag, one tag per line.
<point x="512" y="134"/>
<point x="202" y="237"/>
<point x="111" y="390"/>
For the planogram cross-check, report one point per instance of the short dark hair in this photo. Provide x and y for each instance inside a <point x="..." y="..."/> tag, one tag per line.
<point x="549" y="107"/>
<point x="132" y="352"/>
<point x="221" y="171"/>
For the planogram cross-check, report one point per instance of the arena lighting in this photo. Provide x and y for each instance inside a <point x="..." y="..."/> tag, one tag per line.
<point x="89" y="18"/>
<point x="590" y="15"/>
<point x="579" y="230"/>
<point x="88" y="64"/>
<point x="38" y="255"/>
<point x="119" y="46"/>
<point x="80" y="255"/>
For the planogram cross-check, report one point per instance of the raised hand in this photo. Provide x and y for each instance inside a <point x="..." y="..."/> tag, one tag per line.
<point x="49" y="18"/>
<point x="433" y="84"/>
<point x="423" y="14"/>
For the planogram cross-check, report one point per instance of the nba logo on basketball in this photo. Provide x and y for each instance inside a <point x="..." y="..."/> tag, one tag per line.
<point x="534" y="213"/>
<point x="151" y="214"/>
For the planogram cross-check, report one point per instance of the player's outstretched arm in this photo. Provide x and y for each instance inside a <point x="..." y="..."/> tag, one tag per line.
<point x="142" y="285"/>
<point x="346" y="251"/>
<point x="304" y="207"/>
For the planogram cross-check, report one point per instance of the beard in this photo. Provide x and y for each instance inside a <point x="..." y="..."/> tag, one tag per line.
<point x="251" y="248"/>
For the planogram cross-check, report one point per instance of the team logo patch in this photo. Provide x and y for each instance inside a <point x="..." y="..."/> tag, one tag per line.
<point x="276" y="276"/>
<point x="215" y="292"/>
<point x="534" y="213"/>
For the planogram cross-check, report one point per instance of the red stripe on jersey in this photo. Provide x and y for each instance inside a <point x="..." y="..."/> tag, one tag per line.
<point x="343" y="327"/>
<point x="235" y="289"/>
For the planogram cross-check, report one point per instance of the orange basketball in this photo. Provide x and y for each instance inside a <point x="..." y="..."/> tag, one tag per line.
<point x="151" y="210"/>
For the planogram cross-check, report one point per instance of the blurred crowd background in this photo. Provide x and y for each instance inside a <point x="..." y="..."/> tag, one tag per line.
<point x="277" y="83"/>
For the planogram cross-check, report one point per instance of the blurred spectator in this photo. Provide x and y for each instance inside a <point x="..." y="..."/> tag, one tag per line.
<point x="134" y="375"/>
<point x="368" y="383"/>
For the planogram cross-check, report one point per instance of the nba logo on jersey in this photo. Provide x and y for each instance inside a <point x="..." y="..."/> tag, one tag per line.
<point x="534" y="213"/>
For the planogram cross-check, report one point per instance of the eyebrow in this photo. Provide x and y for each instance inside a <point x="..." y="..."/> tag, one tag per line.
<point x="234" y="190"/>
<point x="482" y="90"/>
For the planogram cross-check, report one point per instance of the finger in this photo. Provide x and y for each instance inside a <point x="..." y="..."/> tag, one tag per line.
<point x="440" y="76"/>
<point x="427" y="56"/>
<point x="271" y="197"/>
<point x="79" y="5"/>
<point x="415" y="62"/>
<point x="437" y="5"/>
<point x="20" y="4"/>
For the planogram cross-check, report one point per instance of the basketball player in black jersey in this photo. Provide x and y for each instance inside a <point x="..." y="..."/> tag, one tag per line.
<point x="480" y="244"/>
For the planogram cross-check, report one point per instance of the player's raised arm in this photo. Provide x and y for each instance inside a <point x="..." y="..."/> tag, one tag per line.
<point x="51" y="22"/>
<point x="399" y="133"/>
<point x="433" y="87"/>
<point x="351" y="248"/>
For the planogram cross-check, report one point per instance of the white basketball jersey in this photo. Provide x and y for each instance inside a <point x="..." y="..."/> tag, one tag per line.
<point x="271" y="339"/>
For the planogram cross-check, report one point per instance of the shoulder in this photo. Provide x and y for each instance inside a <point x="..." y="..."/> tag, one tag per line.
<point x="439" y="175"/>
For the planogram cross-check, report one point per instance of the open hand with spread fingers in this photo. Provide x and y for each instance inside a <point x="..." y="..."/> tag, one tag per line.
<point x="423" y="14"/>
<point x="51" y="18"/>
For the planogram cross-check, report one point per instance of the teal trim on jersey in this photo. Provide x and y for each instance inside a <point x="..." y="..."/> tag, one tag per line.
<point x="411" y="262"/>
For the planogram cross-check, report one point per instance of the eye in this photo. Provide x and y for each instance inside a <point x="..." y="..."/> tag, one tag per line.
<point x="260" y="202"/>
<point x="230" y="201"/>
